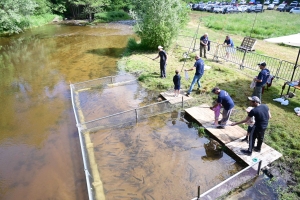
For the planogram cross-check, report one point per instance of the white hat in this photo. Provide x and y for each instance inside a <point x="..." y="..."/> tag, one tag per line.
<point x="160" y="47"/>
<point x="249" y="109"/>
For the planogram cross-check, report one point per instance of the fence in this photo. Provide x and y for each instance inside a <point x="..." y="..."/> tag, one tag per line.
<point x="280" y="69"/>
<point x="231" y="183"/>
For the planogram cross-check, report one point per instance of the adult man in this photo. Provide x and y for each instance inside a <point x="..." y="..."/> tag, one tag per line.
<point x="163" y="61"/>
<point x="199" y="66"/>
<point x="203" y="44"/>
<point x="229" y="46"/>
<point x="225" y="100"/>
<point x="261" y="79"/>
<point x="262" y="114"/>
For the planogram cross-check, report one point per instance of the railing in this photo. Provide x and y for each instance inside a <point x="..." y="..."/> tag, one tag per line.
<point x="231" y="183"/>
<point x="280" y="69"/>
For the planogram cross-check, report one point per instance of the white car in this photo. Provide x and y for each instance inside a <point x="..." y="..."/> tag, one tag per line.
<point x="271" y="6"/>
<point x="243" y="2"/>
<point x="267" y="2"/>
<point x="276" y="2"/>
<point x="243" y="8"/>
<point x="295" y="10"/>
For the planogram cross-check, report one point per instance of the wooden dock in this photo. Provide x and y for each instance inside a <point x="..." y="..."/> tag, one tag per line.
<point x="231" y="136"/>
<point x="169" y="95"/>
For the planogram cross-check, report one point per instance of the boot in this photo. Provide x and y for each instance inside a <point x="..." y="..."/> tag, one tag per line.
<point x="245" y="139"/>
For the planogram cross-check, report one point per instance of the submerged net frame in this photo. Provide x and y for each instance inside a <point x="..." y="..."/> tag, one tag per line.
<point x="130" y="117"/>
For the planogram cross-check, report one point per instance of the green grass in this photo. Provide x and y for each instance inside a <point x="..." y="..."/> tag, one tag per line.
<point x="267" y="24"/>
<point x="111" y="16"/>
<point x="283" y="131"/>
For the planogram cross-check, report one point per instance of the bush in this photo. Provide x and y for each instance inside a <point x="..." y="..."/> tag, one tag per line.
<point x="111" y="16"/>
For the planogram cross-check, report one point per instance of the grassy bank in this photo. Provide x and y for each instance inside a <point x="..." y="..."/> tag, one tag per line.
<point x="282" y="133"/>
<point x="268" y="24"/>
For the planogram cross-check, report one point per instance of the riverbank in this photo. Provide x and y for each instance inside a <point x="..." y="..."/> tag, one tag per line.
<point x="282" y="132"/>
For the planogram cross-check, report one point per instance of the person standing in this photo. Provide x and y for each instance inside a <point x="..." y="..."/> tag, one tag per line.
<point x="203" y="44"/>
<point x="199" y="66"/>
<point x="229" y="46"/>
<point x="262" y="115"/>
<point x="225" y="100"/>
<point x="163" y="61"/>
<point x="176" y="81"/>
<point x="261" y="79"/>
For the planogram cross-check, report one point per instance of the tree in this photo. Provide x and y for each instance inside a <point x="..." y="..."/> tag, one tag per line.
<point x="91" y="6"/>
<point x="14" y="14"/>
<point x="158" y="22"/>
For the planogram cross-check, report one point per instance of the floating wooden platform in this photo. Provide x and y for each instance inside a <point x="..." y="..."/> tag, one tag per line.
<point x="231" y="136"/>
<point x="169" y="95"/>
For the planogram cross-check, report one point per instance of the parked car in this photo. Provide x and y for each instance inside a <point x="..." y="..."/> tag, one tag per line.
<point x="251" y="2"/>
<point x="243" y="8"/>
<point x="281" y="7"/>
<point x="243" y="2"/>
<point x="232" y="9"/>
<point x="289" y="7"/>
<point x="271" y="6"/>
<point x="251" y="9"/>
<point x="276" y="2"/>
<point x="267" y="2"/>
<point x="295" y="10"/>
<point x="259" y="8"/>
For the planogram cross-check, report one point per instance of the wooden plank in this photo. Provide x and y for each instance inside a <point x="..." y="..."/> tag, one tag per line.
<point x="267" y="154"/>
<point x="169" y="95"/>
<point x="231" y="136"/>
<point x="205" y="117"/>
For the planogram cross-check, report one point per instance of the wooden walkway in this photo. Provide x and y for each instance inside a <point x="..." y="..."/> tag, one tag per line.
<point x="231" y="136"/>
<point x="169" y="95"/>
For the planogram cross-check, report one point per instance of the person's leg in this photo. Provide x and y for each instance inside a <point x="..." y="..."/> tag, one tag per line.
<point x="225" y="116"/>
<point x="204" y="50"/>
<point x="260" y="139"/>
<point x="192" y="84"/>
<point x="252" y="138"/>
<point x="201" y="49"/>
<point x="198" y="81"/>
<point x="257" y="92"/>
<point x="164" y="70"/>
<point x="161" y="66"/>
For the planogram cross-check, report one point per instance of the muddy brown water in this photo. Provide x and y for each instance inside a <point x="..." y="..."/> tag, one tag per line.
<point x="40" y="156"/>
<point x="39" y="148"/>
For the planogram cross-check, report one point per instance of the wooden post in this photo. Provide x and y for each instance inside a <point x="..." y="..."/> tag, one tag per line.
<point x="198" y="196"/>
<point x="259" y="166"/>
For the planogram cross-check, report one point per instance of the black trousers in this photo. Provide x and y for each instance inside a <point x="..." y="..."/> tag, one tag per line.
<point x="163" y="69"/>
<point x="258" y="134"/>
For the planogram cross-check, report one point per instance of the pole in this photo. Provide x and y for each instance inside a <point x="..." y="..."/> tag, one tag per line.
<point x="253" y="25"/>
<point x="198" y="196"/>
<point x="259" y="166"/>
<point x="136" y="116"/>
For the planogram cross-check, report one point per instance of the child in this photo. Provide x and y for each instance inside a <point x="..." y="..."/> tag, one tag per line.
<point x="250" y="123"/>
<point x="217" y="113"/>
<point x="176" y="81"/>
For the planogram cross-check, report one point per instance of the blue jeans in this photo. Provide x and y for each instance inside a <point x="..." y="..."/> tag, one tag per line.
<point x="196" y="79"/>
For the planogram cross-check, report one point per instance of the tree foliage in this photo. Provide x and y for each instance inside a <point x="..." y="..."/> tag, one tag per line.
<point x="159" y="22"/>
<point x="91" y="6"/>
<point x="14" y="14"/>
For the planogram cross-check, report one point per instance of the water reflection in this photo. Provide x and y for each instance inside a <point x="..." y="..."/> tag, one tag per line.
<point x="38" y="140"/>
<point x="213" y="151"/>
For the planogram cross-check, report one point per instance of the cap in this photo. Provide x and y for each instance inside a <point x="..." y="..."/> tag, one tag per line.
<point x="249" y="109"/>
<point x="255" y="99"/>
<point x="262" y="64"/>
<point x="214" y="89"/>
<point x="160" y="47"/>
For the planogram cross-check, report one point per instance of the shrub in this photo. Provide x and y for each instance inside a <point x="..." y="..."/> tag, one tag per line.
<point x="111" y="16"/>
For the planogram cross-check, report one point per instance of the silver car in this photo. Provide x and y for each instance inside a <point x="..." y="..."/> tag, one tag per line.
<point x="295" y="10"/>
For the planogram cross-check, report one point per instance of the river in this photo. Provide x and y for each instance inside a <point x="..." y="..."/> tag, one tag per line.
<point x="39" y="147"/>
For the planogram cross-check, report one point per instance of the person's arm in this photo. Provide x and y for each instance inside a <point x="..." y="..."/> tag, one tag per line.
<point x="191" y="69"/>
<point x="217" y="104"/>
<point x="240" y="122"/>
<point x="270" y="116"/>
<point x="156" y="57"/>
